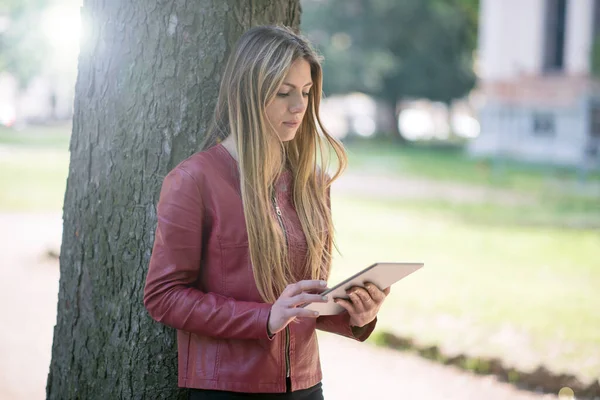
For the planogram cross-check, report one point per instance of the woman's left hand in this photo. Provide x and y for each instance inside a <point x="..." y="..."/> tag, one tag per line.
<point x="364" y="303"/>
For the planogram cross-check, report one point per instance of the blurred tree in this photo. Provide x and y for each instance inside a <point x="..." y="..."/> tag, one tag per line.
<point x="22" y="45"/>
<point x="595" y="67"/>
<point x="395" y="49"/>
<point x="147" y="84"/>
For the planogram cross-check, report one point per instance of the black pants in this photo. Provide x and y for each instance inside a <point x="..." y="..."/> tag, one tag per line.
<point x="312" y="393"/>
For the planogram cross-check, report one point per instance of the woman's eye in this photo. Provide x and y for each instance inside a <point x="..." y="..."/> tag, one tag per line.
<point x="283" y="94"/>
<point x="305" y="94"/>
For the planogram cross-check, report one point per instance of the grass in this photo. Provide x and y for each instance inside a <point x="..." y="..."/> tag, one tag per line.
<point x="513" y="281"/>
<point x="34" y="164"/>
<point x="500" y="280"/>
<point x="33" y="180"/>
<point x="565" y="212"/>
<point x="41" y="137"/>
<point x="453" y="165"/>
<point x="526" y="294"/>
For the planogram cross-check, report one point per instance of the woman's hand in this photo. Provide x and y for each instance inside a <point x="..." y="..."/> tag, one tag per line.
<point x="284" y="309"/>
<point x="364" y="303"/>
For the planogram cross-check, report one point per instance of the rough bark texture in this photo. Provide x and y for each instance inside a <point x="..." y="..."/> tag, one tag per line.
<point x="147" y="84"/>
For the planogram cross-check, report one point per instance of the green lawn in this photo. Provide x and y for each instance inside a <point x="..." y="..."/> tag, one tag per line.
<point x="33" y="179"/>
<point x="34" y="164"/>
<point x="527" y="294"/>
<point x="45" y="137"/>
<point x="516" y="281"/>
<point x="452" y="164"/>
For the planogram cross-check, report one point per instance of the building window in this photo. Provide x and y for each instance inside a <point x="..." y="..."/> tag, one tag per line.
<point x="554" y="46"/>
<point x="543" y="124"/>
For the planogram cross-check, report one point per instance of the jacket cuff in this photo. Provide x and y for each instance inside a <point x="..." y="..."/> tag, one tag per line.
<point x="262" y="322"/>
<point x="362" y="333"/>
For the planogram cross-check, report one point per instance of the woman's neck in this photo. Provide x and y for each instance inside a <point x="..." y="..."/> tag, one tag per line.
<point x="231" y="147"/>
<point x="229" y="144"/>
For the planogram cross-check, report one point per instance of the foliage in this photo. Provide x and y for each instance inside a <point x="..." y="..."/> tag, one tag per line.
<point x="22" y="45"/>
<point x="596" y="57"/>
<point x="394" y="50"/>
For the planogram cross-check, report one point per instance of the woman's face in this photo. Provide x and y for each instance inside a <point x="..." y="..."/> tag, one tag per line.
<point x="287" y="109"/>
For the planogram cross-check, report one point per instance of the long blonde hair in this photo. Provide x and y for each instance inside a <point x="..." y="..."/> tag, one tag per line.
<point x="255" y="70"/>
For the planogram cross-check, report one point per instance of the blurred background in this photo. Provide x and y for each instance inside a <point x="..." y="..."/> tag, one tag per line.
<point x="473" y="134"/>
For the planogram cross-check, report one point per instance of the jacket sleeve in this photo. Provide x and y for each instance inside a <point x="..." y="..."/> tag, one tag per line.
<point x="340" y="324"/>
<point x="169" y="294"/>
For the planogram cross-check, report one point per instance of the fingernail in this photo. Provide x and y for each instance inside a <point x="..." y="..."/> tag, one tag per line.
<point x="324" y="298"/>
<point x="316" y="313"/>
<point x="323" y="283"/>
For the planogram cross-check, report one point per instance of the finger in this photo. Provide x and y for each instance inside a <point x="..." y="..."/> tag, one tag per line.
<point x="302" y="286"/>
<point x="303" y="313"/>
<point x="317" y="291"/>
<point x="355" y="299"/>
<point x="387" y="290"/>
<point x="365" y="297"/>
<point x="359" y="303"/>
<point x="376" y="294"/>
<point x="304" y="298"/>
<point x="348" y="306"/>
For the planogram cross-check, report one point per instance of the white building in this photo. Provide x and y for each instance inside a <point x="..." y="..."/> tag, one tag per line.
<point x="43" y="99"/>
<point x="539" y="101"/>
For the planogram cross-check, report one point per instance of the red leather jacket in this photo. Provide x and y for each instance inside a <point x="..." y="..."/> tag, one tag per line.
<point x="200" y="282"/>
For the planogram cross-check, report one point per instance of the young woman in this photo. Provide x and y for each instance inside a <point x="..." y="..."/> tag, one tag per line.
<point x="245" y="235"/>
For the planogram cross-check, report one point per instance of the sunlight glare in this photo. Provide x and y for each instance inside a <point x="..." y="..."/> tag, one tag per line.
<point x="62" y="27"/>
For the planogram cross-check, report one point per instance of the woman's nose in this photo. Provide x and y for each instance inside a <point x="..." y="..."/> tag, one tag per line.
<point x="298" y="106"/>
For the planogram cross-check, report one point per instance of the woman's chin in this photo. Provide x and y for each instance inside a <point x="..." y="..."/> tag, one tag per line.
<point x="288" y="135"/>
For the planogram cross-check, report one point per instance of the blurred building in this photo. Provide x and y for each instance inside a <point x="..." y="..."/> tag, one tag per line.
<point x="42" y="100"/>
<point x="539" y="99"/>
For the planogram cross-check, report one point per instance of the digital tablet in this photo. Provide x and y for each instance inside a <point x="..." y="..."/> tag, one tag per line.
<point x="382" y="275"/>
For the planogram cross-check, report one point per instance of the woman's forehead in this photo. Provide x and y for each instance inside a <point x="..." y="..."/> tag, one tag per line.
<point x="299" y="74"/>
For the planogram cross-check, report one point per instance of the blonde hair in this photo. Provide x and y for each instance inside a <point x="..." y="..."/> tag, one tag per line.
<point x="255" y="70"/>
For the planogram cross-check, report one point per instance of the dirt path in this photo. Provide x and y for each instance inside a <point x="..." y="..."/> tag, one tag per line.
<point x="397" y="187"/>
<point x="357" y="371"/>
<point x="28" y="293"/>
<point x="28" y="290"/>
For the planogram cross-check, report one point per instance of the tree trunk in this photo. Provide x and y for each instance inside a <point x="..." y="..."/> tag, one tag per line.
<point x="391" y="114"/>
<point x="147" y="84"/>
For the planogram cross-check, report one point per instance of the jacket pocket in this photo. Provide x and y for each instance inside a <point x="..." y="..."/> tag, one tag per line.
<point x="204" y="357"/>
<point x="238" y="277"/>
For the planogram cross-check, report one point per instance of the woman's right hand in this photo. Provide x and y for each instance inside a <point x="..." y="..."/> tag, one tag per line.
<point x="284" y="309"/>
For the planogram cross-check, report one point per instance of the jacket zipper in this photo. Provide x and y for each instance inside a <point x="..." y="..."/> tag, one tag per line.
<point x="287" y="328"/>
<point x="279" y="218"/>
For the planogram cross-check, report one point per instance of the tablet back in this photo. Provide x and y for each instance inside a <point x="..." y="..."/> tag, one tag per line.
<point x="383" y="275"/>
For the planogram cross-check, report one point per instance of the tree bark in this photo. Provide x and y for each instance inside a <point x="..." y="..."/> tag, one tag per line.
<point x="391" y="114"/>
<point x="147" y="83"/>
